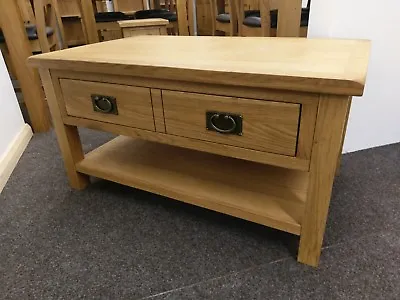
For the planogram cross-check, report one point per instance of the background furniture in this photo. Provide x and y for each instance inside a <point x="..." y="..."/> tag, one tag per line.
<point x="284" y="119"/>
<point x="48" y="20"/>
<point x="185" y="13"/>
<point x="270" y="18"/>
<point x="224" y="21"/>
<point x="143" y="27"/>
<point x="14" y="31"/>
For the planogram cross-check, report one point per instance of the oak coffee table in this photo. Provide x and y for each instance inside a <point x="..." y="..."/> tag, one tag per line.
<point x="250" y="127"/>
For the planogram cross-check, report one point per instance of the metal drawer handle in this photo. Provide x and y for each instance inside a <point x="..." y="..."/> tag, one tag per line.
<point x="104" y="104"/>
<point x="220" y="130"/>
<point x="224" y="123"/>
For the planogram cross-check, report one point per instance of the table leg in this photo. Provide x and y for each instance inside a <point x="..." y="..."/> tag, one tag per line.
<point x="339" y="160"/>
<point x="19" y="48"/>
<point x="67" y="136"/>
<point x="331" y="119"/>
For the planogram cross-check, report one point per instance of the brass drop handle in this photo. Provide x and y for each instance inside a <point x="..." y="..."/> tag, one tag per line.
<point x="104" y="104"/>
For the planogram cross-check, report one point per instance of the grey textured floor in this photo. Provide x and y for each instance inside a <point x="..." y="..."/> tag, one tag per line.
<point x="114" y="242"/>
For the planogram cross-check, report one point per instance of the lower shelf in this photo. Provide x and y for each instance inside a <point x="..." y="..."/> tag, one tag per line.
<point x="259" y="193"/>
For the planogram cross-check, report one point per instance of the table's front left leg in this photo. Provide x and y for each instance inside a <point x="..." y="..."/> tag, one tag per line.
<point x="67" y="136"/>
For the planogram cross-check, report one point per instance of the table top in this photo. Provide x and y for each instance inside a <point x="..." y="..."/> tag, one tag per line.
<point x="312" y="65"/>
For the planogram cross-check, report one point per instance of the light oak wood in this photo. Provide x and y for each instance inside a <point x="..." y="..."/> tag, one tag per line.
<point x="69" y="8"/>
<point x="217" y="26"/>
<point x="88" y="22"/>
<point x="214" y="89"/>
<point x="129" y="6"/>
<point x="264" y="194"/>
<point x="109" y="31"/>
<point x="155" y="26"/>
<point x="158" y="110"/>
<point x="195" y="144"/>
<point x="267" y="126"/>
<point x="154" y="30"/>
<point x="143" y="22"/>
<point x="67" y="136"/>
<point x="331" y="119"/>
<point x="203" y="17"/>
<point x="26" y="11"/>
<point x="134" y="103"/>
<point x="70" y="11"/>
<point x="19" y="49"/>
<point x="47" y="14"/>
<point x="73" y="29"/>
<point x="343" y="137"/>
<point x="304" y="119"/>
<point x="306" y="130"/>
<point x="185" y="11"/>
<point x="289" y="15"/>
<point x="311" y="65"/>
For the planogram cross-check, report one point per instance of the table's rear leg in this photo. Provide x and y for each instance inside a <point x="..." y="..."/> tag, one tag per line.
<point x="67" y="136"/>
<point x="330" y="124"/>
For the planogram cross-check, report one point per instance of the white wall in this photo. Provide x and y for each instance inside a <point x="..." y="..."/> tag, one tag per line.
<point x="11" y="121"/>
<point x="375" y="117"/>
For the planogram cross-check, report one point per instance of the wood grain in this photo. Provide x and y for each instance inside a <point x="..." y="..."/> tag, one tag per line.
<point x="129" y="6"/>
<point x="289" y="15"/>
<point x="143" y="22"/>
<point x="343" y="137"/>
<point x="267" y="126"/>
<point x="230" y="28"/>
<point x="212" y="89"/>
<point x="67" y="136"/>
<point x="134" y="103"/>
<point x="48" y="14"/>
<point x="143" y="27"/>
<point x="306" y="130"/>
<point x="19" y="49"/>
<point x="331" y="119"/>
<point x="268" y="195"/>
<point x="158" y="110"/>
<point x="195" y="144"/>
<point x="88" y="21"/>
<point x="69" y="8"/>
<point x="74" y="34"/>
<point x="312" y="65"/>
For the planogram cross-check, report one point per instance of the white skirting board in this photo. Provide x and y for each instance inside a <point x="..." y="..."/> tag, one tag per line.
<point x="10" y="159"/>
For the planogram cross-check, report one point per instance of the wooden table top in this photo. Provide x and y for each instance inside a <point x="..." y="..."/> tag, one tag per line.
<point x="313" y="65"/>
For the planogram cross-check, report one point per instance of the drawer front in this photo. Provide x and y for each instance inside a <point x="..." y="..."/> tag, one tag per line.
<point x="265" y="125"/>
<point x="131" y="106"/>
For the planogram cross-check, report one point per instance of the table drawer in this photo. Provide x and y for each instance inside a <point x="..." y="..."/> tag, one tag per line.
<point x="265" y="125"/>
<point x="125" y="105"/>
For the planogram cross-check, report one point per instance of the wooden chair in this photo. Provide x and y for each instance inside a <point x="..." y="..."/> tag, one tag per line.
<point x="104" y="26"/>
<point x="44" y="29"/>
<point x="280" y="18"/>
<point x="223" y="20"/>
<point x="165" y="9"/>
<point x="49" y="26"/>
<point x="25" y="8"/>
<point x="129" y="6"/>
<point x="185" y="13"/>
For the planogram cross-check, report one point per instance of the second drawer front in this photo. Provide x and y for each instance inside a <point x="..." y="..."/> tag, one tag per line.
<point x="266" y="125"/>
<point x="133" y="104"/>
